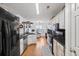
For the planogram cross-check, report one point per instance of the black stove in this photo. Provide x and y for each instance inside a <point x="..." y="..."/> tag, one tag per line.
<point x="56" y="33"/>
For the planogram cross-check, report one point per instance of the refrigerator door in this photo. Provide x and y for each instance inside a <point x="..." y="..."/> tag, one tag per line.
<point x="0" y="39"/>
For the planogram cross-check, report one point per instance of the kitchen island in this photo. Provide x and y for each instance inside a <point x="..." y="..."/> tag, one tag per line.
<point x="25" y="40"/>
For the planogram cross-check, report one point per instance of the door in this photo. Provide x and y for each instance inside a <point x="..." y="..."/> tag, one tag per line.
<point x="74" y="49"/>
<point x="72" y="29"/>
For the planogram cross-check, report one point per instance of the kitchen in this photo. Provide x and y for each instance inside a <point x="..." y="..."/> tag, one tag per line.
<point x="43" y="25"/>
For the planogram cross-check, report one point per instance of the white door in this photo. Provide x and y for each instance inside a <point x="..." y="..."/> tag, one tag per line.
<point x="74" y="49"/>
<point x="72" y="29"/>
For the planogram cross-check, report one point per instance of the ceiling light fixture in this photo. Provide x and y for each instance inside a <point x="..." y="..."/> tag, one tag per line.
<point x="37" y="8"/>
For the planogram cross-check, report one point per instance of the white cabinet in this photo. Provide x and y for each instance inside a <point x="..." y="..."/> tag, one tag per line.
<point x="31" y="39"/>
<point x="62" y="19"/>
<point x="21" y="46"/>
<point x="58" y="49"/>
<point x="54" y="47"/>
<point x="56" y="18"/>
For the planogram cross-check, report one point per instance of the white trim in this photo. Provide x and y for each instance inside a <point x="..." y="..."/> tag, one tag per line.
<point x="67" y="28"/>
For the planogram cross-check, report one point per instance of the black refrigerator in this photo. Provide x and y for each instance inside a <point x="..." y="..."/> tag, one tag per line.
<point x="9" y="36"/>
<point x="0" y="38"/>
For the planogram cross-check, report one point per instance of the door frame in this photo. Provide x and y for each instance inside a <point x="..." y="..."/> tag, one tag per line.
<point x="68" y="29"/>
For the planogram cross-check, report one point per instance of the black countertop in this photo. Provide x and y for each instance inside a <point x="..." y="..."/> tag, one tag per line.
<point x="60" y="40"/>
<point x="57" y="37"/>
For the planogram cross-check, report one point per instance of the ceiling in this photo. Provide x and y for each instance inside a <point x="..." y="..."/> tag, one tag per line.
<point x="28" y="10"/>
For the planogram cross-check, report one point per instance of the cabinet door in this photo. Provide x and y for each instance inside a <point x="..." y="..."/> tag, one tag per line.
<point x="0" y="38"/>
<point x="54" y="47"/>
<point x="31" y="39"/>
<point x="62" y="19"/>
<point x="57" y="18"/>
<point x="61" y="49"/>
<point x="21" y="46"/>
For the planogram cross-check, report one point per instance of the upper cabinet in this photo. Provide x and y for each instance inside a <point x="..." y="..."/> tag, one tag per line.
<point x="55" y="19"/>
<point x="62" y="19"/>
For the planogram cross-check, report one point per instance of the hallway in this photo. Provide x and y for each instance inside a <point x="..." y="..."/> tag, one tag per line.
<point x="40" y="48"/>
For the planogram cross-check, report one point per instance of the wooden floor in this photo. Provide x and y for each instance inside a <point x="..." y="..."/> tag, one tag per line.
<point x="35" y="49"/>
<point x="30" y="50"/>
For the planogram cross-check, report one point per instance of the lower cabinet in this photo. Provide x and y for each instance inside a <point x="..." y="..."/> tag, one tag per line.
<point x="21" y="46"/>
<point x="54" y="47"/>
<point x="31" y="39"/>
<point x="58" y="49"/>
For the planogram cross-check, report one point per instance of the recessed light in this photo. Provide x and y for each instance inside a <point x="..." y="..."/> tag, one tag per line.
<point x="37" y="8"/>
